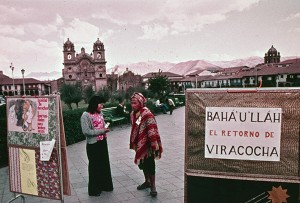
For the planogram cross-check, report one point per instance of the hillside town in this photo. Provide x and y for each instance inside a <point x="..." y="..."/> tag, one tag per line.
<point x="90" y="70"/>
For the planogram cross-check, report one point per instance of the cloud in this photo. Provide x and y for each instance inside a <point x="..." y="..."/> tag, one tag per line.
<point x="40" y="30"/>
<point x="107" y="34"/>
<point x="34" y="55"/>
<point x="125" y="12"/>
<point x="185" y="17"/>
<point x="8" y="30"/>
<point x="292" y="17"/>
<point x="220" y="57"/>
<point x="59" y="20"/>
<point x="190" y="16"/>
<point x="81" y="32"/>
<point x="154" y="31"/>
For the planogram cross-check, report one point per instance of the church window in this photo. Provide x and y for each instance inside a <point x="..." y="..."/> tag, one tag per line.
<point x="70" y="76"/>
<point x="70" y="68"/>
<point x="100" y="75"/>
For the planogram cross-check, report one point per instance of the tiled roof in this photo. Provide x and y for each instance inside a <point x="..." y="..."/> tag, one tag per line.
<point x="19" y="81"/>
<point x="262" y="70"/>
<point x="154" y="74"/>
<point x="195" y="73"/>
<point x="290" y="61"/>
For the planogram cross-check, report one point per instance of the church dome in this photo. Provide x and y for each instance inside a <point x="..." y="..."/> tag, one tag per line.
<point x="272" y="50"/>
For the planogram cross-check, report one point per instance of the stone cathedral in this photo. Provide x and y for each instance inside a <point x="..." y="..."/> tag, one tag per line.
<point x="83" y="68"/>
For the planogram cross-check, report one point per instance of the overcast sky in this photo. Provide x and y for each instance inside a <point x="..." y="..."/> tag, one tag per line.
<point x="32" y="32"/>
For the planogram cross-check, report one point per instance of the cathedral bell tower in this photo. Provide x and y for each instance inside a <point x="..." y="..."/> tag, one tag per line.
<point x="69" y="51"/>
<point x="98" y="51"/>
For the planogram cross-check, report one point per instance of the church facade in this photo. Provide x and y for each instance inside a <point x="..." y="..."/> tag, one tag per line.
<point x="83" y="68"/>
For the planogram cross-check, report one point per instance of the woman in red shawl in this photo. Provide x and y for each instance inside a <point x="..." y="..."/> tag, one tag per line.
<point x="145" y="140"/>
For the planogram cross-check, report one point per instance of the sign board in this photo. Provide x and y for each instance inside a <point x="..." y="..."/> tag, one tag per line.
<point x="243" y="133"/>
<point x="32" y="122"/>
<point x="238" y="138"/>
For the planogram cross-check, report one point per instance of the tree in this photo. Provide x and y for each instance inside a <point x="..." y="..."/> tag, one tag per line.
<point x="159" y="85"/>
<point x="104" y="91"/>
<point x="71" y="94"/>
<point x="88" y="92"/>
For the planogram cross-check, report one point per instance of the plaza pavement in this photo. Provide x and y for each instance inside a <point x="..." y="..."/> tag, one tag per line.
<point x="126" y="175"/>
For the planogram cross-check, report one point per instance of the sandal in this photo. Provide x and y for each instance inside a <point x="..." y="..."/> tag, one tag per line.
<point x="153" y="192"/>
<point x="144" y="186"/>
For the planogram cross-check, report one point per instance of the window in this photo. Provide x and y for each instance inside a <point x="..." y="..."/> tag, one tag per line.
<point x="269" y="78"/>
<point x="70" y="68"/>
<point x="281" y="76"/>
<point x="70" y="76"/>
<point x="100" y="75"/>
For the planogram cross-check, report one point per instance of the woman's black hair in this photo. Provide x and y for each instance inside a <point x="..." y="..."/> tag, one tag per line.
<point x="93" y="103"/>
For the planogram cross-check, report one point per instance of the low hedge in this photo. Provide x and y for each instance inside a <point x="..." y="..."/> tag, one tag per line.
<point x="72" y="127"/>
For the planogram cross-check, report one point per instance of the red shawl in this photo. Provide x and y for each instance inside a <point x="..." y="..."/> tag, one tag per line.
<point x="144" y="138"/>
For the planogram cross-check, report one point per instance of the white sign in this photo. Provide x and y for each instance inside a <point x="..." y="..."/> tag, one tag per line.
<point x="243" y="133"/>
<point x="46" y="148"/>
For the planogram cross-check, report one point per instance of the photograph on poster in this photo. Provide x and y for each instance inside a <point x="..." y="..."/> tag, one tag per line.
<point x="28" y="115"/>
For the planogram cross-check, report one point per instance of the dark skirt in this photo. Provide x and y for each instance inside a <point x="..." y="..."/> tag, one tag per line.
<point x="99" y="168"/>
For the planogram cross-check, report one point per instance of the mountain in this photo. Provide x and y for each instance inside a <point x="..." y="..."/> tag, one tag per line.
<point x="182" y="68"/>
<point x="142" y="68"/>
<point x="43" y="76"/>
<point x="250" y="62"/>
<point x="187" y="67"/>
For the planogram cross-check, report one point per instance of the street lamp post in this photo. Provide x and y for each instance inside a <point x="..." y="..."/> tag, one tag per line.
<point x="12" y="72"/>
<point x="23" y="71"/>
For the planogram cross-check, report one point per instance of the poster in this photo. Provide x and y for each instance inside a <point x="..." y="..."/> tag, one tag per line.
<point x="33" y="122"/>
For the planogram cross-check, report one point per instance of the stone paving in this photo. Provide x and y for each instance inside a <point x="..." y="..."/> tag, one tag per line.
<point x="126" y="175"/>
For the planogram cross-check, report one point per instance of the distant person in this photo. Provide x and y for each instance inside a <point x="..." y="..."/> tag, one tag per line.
<point x="93" y="127"/>
<point x="171" y="105"/>
<point x="121" y="109"/>
<point x="162" y="106"/>
<point x="145" y="140"/>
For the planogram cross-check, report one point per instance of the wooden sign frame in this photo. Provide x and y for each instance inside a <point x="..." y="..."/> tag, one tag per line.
<point x="240" y="171"/>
